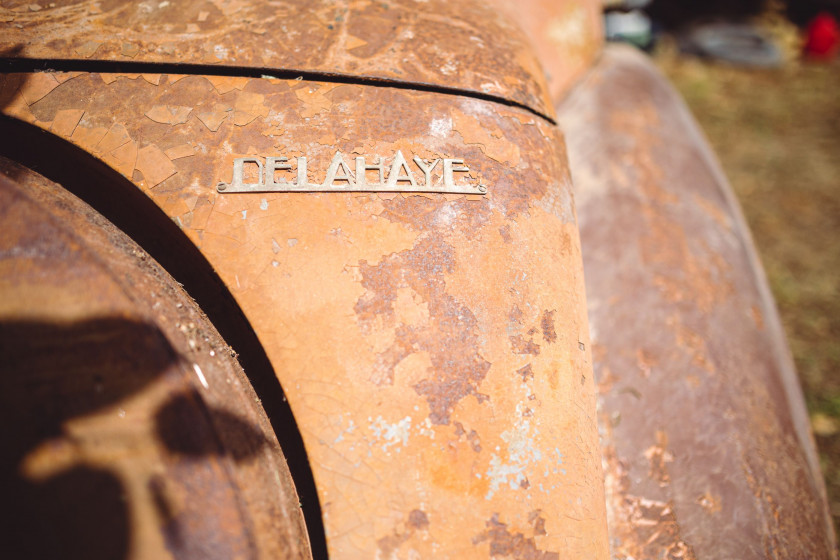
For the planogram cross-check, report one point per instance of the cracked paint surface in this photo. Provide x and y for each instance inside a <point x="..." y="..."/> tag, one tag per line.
<point x="471" y="45"/>
<point x="388" y="317"/>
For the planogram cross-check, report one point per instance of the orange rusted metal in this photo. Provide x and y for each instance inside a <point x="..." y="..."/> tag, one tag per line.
<point x="465" y="45"/>
<point x="433" y="347"/>
<point x="433" y="344"/>
<point x="567" y="36"/>
<point x="706" y="437"/>
<point x="129" y="430"/>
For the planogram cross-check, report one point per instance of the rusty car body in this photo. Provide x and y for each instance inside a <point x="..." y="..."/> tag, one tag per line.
<point x="306" y="279"/>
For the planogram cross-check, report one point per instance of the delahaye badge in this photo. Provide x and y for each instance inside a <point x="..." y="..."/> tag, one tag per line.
<point x="399" y="176"/>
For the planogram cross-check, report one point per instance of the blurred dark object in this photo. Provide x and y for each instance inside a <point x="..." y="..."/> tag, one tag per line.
<point x="823" y="37"/>
<point x="736" y="43"/>
<point x="802" y="12"/>
<point x="676" y="15"/>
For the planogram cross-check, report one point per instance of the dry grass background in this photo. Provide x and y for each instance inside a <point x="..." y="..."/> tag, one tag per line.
<point x="777" y="134"/>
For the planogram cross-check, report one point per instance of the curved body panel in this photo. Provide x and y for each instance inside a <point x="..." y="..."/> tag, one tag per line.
<point x="433" y="347"/>
<point x="465" y="45"/>
<point x="567" y="36"/>
<point x="704" y="429"/>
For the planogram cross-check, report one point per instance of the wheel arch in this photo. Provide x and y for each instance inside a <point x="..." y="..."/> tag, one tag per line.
<point x="130" y="210"/>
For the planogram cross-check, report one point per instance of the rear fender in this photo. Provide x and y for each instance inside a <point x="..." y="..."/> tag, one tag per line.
<point x="705" y="434"/>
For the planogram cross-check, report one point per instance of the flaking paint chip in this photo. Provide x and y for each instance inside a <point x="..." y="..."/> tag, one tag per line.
<point x="178" y="152"/>
<point x="153" y="79"/>
<point x="202" y="16"/>
<point x="274" y="131"/>
<point x="314" y="100"/>
<point x="36" y="86"/>
<point x="249" y="102"/>
<point x="352" y="42"/>
<point x="213" y="119"/>
<point x="123" y="158"/>
<point x="241" y="118"/>
<point x="87" y="48"/>
<point x="116" y="136"/>
<point x="88" y="138"/>
<point x="225" y="84"/>
<point x="129" y="49"/>
<point x="65" y="76"/>
<point x="65" y="122"/>
<point x="154" y="165"/>
<point x="169" y="114"/>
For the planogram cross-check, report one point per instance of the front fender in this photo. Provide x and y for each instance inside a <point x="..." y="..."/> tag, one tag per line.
<point x="433" y="346"/>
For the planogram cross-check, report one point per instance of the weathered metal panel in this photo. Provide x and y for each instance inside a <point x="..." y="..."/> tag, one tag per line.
<point x="465" y="45"/>
<point x="433" y="348"/>
<point x="705" y="436"/>
<point x="129" y="431"/>
<point x="567" y="36"/>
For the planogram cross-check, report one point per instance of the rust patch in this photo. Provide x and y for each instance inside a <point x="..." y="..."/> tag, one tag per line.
<point x="417" y="521"/>
<point x="522" y="346"/>
<point x="507" y="544"/>
<point x="641" y="527"/>
<point x="658" y="457"/>
<point x="504" y="231"/>
<point x="547" y="325"/>
<point x="527" y="372"/>
<point x="538" y="521"/>
<point x="461" y="214"/>
<point x="472" y="437"/>
<point x="449" y="336"/>
<point x="710" y="503"/>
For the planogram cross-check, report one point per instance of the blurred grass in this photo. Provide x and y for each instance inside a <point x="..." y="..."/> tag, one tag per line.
<point x="777" y="134"/>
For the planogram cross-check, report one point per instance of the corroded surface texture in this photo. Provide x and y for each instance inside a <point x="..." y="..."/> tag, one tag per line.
<point x="128" y="429"/>
<point x="704" y="430"/>
<point x="567" y="36"/>
<point x="465" y="45"/>
<point x="434" y="348"/>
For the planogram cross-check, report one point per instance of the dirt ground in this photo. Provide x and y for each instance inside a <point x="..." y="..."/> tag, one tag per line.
<point x="777" y="134"/>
